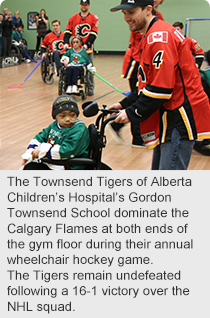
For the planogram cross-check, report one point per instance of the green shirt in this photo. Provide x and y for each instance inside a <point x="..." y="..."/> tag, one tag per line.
<point x="15" y="36"/>
<point x="66" y="142"/>
<point x="77" y="58"/>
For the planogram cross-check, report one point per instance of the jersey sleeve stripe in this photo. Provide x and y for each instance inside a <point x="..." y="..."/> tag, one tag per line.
<point x="68" y="31"/>
<point x="94" y="33"/>
<point x="164" y="120"/>
<point x="156" y="95"/>
<point x="186" y="122"/>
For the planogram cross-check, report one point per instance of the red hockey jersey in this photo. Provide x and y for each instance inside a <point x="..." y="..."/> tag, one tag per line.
<point x="170" y="90"/>
<point x="196" y="50"/>
<point x="132" y="54"/>
<point x="53" y="42"/>
<point x="84" y="27"/>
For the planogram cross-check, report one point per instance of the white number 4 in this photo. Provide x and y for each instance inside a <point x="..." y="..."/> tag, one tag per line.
<point x="158" y="60"/>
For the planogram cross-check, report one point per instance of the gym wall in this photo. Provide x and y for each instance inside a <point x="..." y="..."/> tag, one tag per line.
<point x="113" y="30"/>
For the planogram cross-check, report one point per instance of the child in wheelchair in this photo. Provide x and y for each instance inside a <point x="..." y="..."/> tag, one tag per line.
<point x="74" y="60"/>
<point x="17" y="40"/>
<point x="66" y="137"/>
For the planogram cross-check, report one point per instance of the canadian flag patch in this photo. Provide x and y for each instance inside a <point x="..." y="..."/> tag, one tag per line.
<point x="161" y="36"/>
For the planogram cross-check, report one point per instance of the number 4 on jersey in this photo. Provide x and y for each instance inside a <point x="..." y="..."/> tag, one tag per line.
<point x="158" y="59"/>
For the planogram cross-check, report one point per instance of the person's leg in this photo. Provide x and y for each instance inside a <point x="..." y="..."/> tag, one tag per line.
<point x="69" y="71"/>
<point x="176" y="154"/>
<point x="23" y="51"/>
<point x="4" y="45"/>
<point x="9" y="46"/>
<point x="91" y="82"/>
<point x="75" y="74"/>
<point x="56" y="59"/>
<point x="69" y="81"/>
<point x="38" y="40"/>
<point x="156" y="158"/>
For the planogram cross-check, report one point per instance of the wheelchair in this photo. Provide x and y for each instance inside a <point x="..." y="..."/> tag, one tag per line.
<point x="97" y="139"/>
<point x="15" y="49"/>
<point x="48" y="69"/>
<point x="82" y="83"/>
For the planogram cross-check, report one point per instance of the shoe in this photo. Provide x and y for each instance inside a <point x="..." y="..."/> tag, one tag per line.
<point x="138" y="145"/>
<point x="74" y="89"/>
<point x="27" y="61"/>
<point x="115" y="134"/>
<point x="90" y="93"/>
<point x="69" y="89"/>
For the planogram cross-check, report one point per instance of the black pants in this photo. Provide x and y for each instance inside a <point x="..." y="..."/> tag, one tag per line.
<point x="6" y="45"/>
<point x="56" y="59"/>
<point x="72" y="74"/>
<point x="38" y="41"/>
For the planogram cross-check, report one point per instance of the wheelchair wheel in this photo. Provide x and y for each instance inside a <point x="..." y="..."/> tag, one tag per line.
<point x="43" y="70"/>
<point x="104" y="166"/>
<point x="49" y="79"/>
<point x="61" y="83"/>
<point x="47" y="71"/>
<point x="83" y="95"/>
<point x="15" y="50"/>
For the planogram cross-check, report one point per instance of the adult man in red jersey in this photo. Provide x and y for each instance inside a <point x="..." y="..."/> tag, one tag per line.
<point x="85" y="25"/>
<point x="55" y="42"/>
<point x="171" y="105"/>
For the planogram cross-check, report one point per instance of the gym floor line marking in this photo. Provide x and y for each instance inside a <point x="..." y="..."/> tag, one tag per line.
<point x="103" y="95"/>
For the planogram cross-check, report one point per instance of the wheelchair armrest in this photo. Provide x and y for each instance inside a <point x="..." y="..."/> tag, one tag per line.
<point x="67" y="163"/>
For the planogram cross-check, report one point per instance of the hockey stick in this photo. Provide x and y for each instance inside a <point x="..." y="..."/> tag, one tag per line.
<point x="17" y="86"/>
<point x="117" y="89"/>
<point x="22" y="42"/>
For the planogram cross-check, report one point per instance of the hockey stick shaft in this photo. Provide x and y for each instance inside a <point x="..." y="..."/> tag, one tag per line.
<point x="11" y="86"/>
<point x="117" y="89"/>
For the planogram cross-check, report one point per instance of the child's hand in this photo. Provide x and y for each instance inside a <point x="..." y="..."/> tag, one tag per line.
<point x="35" y="153"/>
<point x="24" y="162"/>
<point x="65" y="63"/>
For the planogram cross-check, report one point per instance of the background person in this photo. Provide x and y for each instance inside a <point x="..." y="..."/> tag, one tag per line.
<point x="194" y="47"/>
<point x="41" y="24"/>
<point x="85" y="25"/>
<point x="17" y="20"/>
<point x="17" y="37"/>
<point x="54" y="41"/>
<point x="171" y="106"/>
<point x="7" y="27"/>
<point x="156" y="5"/>
<point x="1" y="19"/>
<point x="74" y="60"/>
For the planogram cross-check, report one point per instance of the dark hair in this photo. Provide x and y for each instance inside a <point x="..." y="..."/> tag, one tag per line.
<point x="207" y="55"/>
<point x="178" y="24"/>
<point x="54" y="21"/>
<point x="44" y="12"/>
<point x="77" y="37"/>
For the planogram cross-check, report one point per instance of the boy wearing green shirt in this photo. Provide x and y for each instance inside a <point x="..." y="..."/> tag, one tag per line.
<point x="17" y="37"/>
<point x="66" y="137"/>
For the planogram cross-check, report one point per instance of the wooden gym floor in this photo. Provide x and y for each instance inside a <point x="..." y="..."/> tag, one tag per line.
<point x="27" y="110"/>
